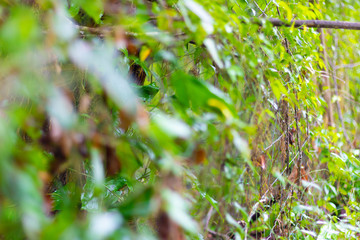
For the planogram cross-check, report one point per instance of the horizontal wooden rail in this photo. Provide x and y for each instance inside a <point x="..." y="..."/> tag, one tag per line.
<point x="316" y="24"/>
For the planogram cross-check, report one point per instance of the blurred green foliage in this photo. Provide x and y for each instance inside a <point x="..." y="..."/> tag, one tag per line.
<point x="197" y="151"/>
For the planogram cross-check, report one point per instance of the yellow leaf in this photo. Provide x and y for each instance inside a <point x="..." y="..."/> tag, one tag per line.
<point x="221" y="106"/>
<point x="145" y="52"/>
<point x="287" y="9"/>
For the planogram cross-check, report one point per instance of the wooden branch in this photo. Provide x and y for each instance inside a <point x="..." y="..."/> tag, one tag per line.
<point x="316" y="24"/>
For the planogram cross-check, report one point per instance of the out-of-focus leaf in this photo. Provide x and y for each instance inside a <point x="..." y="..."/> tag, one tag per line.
<point x="171" y="126"/>
<point x="60" y="107"/>
<point x="222" y="107"/>
<point x="129" y="163"/>
<point x="144" y="53"/>
<point x="147" y="92"/>
<point x="63" y="26"/>
<point x="280" y="177"/>
<point x="206" y="19"/>
<point x="92" y="7"/>
<point x="99" y="60"/>
<point x="102" y="225"/>
<point x="287" y="9"/>
<point x="138" y="203"/>
<point x="233" y="222"/>
<point x="212" y="201"/>
<point x="242" y="211"/>
<point x="278" y="89"/>
<point x="311" y="233"/>
<point x="300" y="208"/>
<point x="98" y="170"/>
<point x="20" y="31"/>
<point x="73" y="9"/>
<point x="241" y="144"/>
<point x="211" y="47"/>
<point x="327" y="231"/>
<point x="176" y="207"/>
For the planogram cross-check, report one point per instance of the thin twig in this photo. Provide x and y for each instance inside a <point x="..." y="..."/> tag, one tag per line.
<point x="298" y="140"/>
<point x="278" y="139"/>
<point x="267" y="4"/>
<point x="259" y="8"/>
<point x="264" y="198"/>
<point x="282" y="207"/>
<point x="342" y="80"/>
<point x="282" y="173"/>
<point x="218" y="234"/>
<point x="351" y="65"/>
<point x="208" y="216"/>
<point x="307" y="131"/>
<point x="268" y="147"/>
<point x="89" y="176"/>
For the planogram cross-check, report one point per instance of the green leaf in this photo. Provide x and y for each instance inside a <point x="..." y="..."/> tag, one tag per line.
<point x="99" y="60"/>
<point x="73" y="9"/>
<point x="211" y="47"/>
<point x="212" y="201"/>
<point x="206" y="19"/>
<point x="94" y="8"/>
<point x="103" y="225"/>
<point x="147" y="92"/>
<point x="20" y="31"/>
<point x="176" y="207"/>
<point x="171" y="126"/>
<point x="287" y="10"/>
<point x="139" y="203"/>
<point x="233" y="222"/>
<point x="278" y="89"/>
<point x="198" y="95"/>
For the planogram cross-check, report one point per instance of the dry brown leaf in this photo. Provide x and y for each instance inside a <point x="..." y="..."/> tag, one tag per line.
<point x="262" y="161"/>
<point x="142" y="117"/>
<point x="304" y="175"/>
<point x="199" y="155"/>
<point x="97" y="140"/>
<point x="125" y="120"/>
<point x="84" y="104"/>
<point x="293" y="177"/>
<point x="291" y="136"/>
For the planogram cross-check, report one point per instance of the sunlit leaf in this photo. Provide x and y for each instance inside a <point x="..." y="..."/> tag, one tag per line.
<point x="206" y="19"/>
<point x="211" y="46"/>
